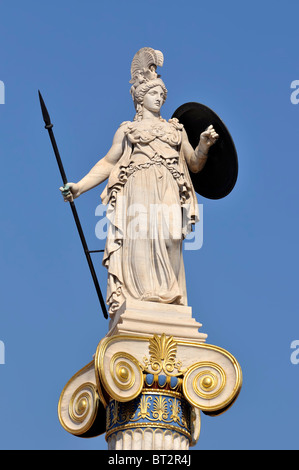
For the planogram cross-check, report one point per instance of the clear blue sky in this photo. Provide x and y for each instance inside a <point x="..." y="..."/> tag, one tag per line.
<point x="237" y="58"/>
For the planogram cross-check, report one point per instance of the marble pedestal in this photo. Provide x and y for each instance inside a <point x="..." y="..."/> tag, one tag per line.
<point x="148" y="318"/>
<point x="150" y="378"/>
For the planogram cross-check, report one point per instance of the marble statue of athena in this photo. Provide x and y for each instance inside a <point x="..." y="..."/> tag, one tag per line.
<point x="147" y="168"/>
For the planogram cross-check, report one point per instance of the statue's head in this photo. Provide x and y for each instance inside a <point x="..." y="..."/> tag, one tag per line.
<point x="151" y="95"/>
<point x="147" y="87"/>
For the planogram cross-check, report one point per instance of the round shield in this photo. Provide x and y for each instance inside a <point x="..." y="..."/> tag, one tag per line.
<point x="220" y="172"/>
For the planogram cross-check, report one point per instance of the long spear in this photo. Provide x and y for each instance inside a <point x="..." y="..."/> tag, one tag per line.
<point x="49" y="126"/>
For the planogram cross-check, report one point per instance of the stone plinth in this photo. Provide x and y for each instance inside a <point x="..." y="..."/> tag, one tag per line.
<point x="148" y="318"/>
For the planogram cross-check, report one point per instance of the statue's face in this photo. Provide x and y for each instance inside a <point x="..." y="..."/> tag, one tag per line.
<point x="154" y="99"/>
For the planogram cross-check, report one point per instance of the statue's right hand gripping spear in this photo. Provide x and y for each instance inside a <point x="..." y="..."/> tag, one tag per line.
<point x="48" y="126"/>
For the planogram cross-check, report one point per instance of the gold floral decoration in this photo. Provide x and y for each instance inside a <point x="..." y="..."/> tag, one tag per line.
<point x="163" y="352"/>
<point x="144" y="406"/>
<point x="160" y="408"/>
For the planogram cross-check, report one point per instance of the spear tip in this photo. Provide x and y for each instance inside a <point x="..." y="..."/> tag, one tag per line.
<point x="45" y="113"/>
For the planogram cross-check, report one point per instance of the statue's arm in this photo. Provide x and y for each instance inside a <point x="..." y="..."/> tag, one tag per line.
<point x="196" y="159"/>
<point x="100" y="171"/>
